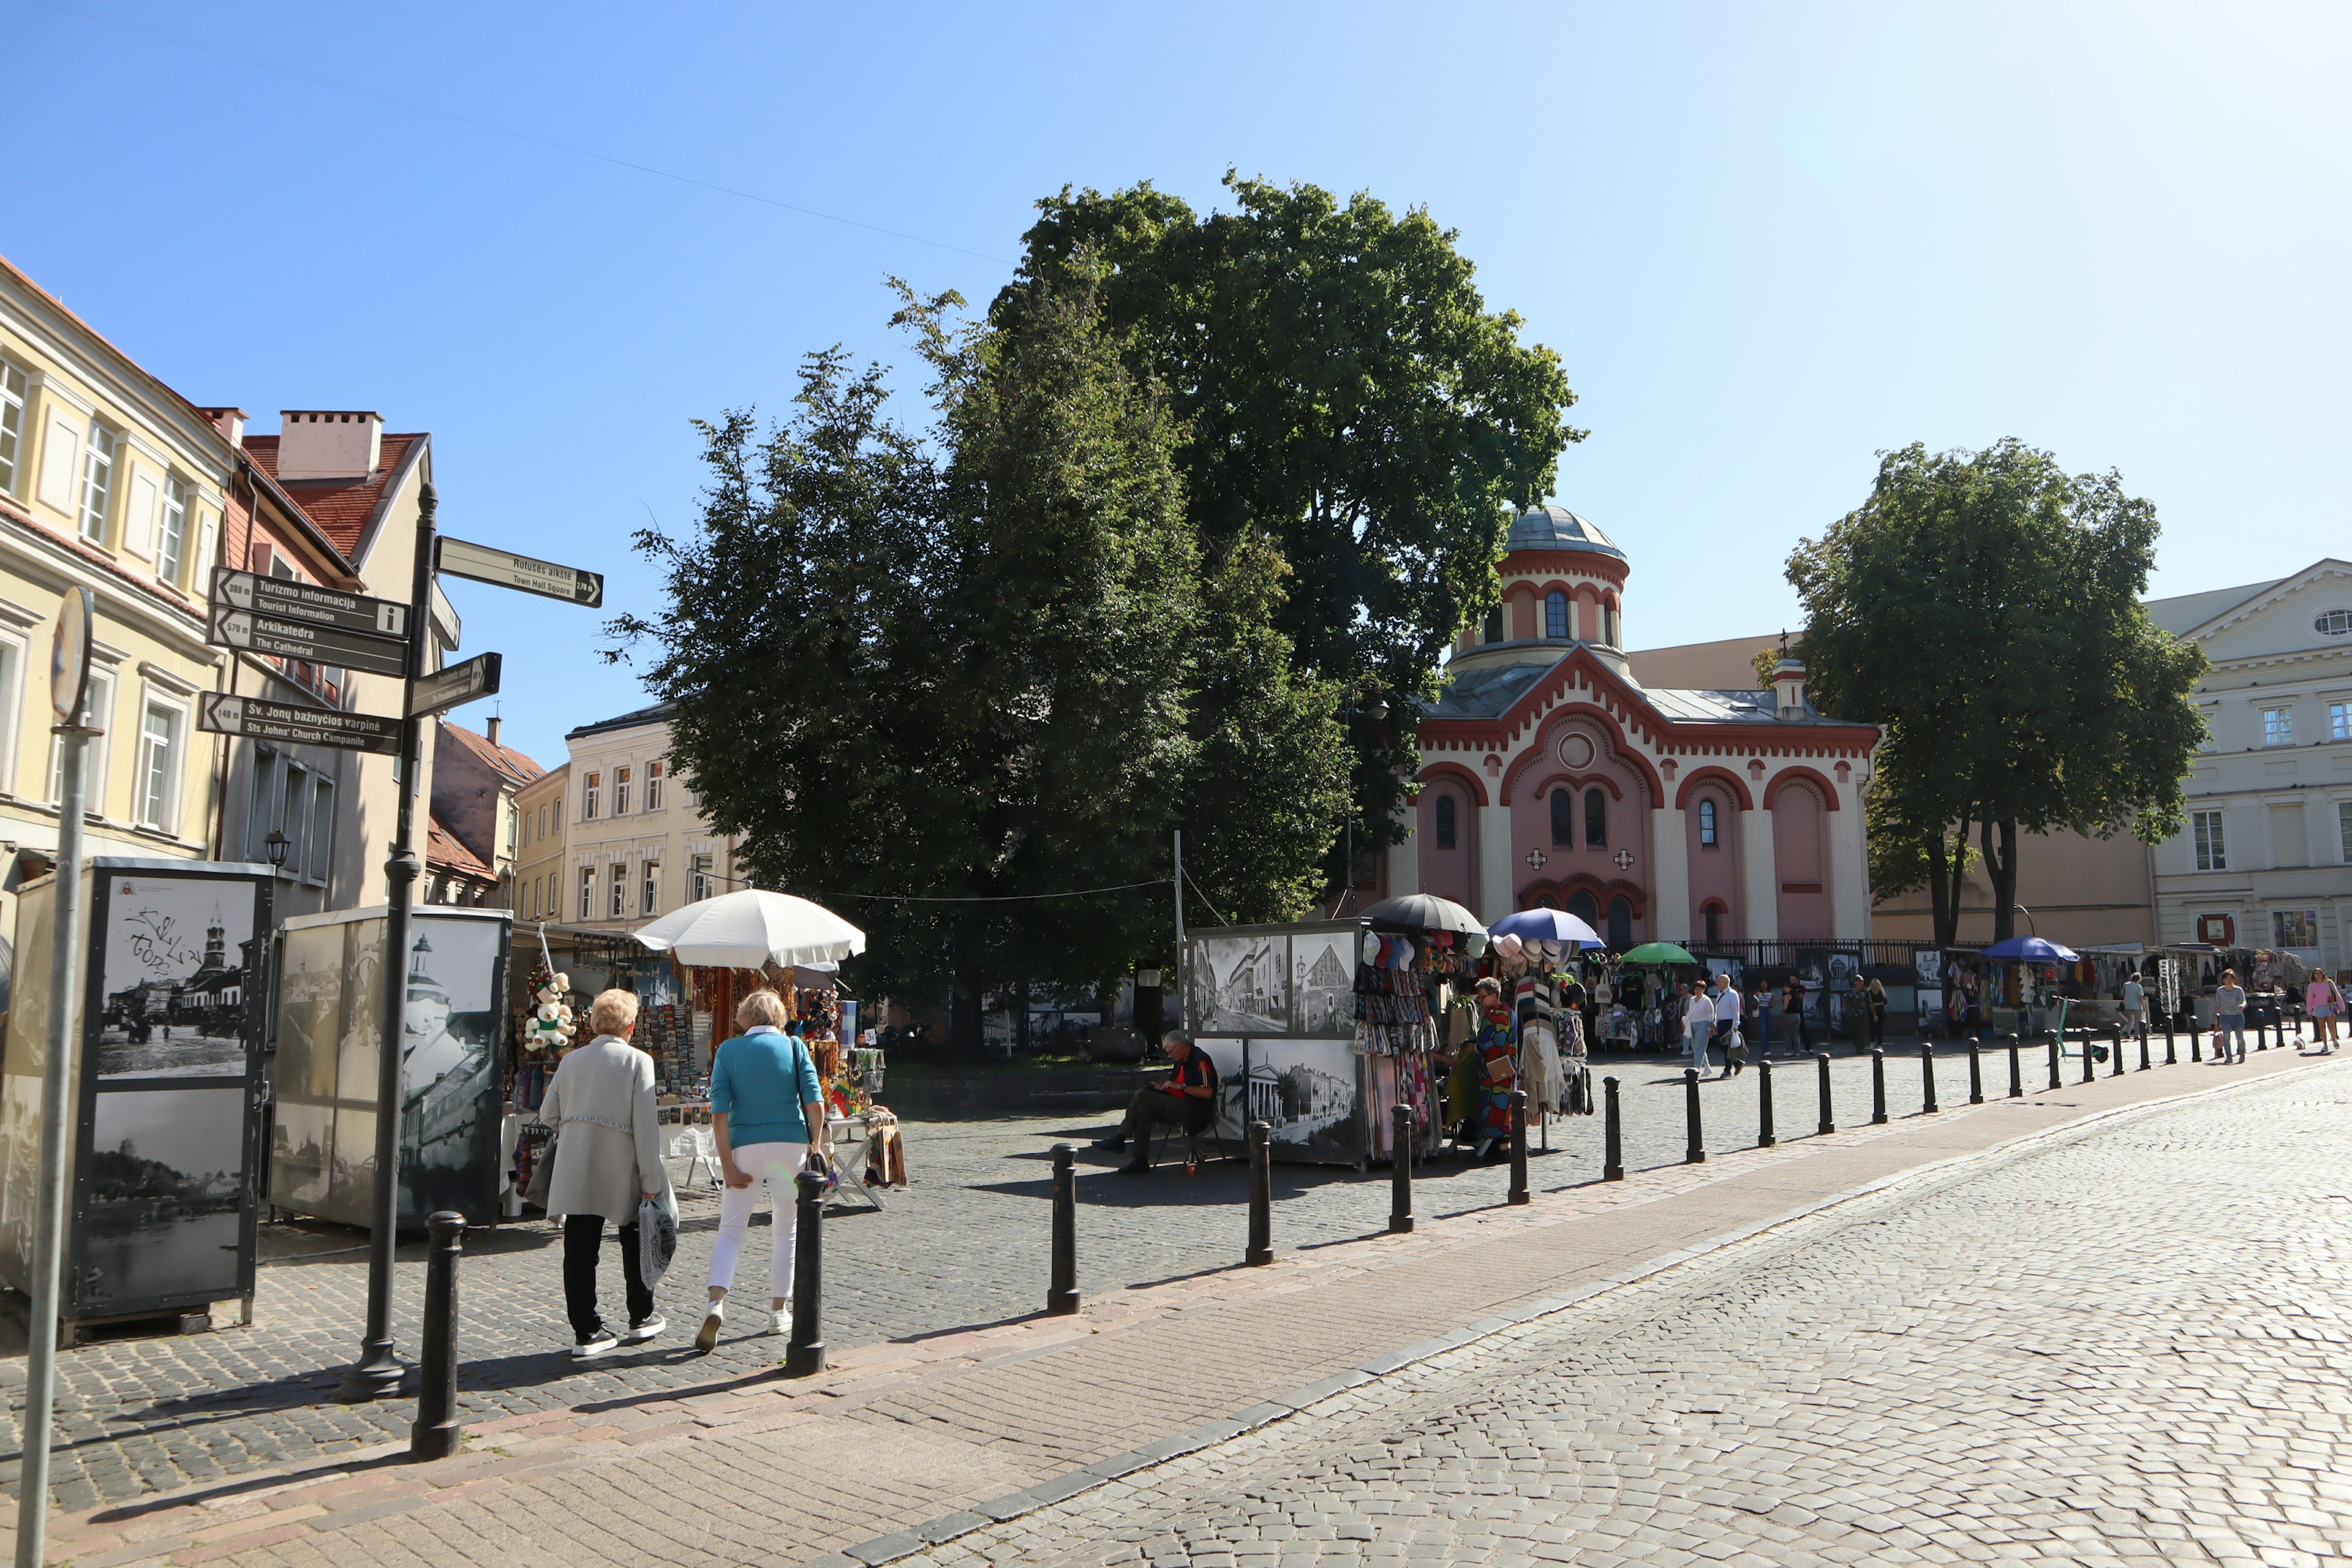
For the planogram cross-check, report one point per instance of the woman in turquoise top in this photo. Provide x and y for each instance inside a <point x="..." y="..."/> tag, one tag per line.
<point x="766" y="1112"/>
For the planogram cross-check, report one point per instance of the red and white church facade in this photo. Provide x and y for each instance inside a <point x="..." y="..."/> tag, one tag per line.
<point x="1550" y="776"/>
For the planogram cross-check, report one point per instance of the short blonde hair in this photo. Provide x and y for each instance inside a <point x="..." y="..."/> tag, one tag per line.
<point x="761" y="1007"/>
<point x="614" y="1012"/>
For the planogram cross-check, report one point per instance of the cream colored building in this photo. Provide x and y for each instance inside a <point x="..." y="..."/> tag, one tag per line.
<point x="613" y="839"/>
<point x="110" y="480"/>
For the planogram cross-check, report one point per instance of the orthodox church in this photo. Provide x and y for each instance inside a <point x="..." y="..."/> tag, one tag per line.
<point x="1549" y="777"/>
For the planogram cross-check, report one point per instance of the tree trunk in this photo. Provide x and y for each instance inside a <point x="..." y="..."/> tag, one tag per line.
<point x="1948" y="867"/>
<point x="2001" y="870"/>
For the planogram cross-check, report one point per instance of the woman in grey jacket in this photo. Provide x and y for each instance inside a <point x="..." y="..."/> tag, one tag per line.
<point x="607" y="1157"/>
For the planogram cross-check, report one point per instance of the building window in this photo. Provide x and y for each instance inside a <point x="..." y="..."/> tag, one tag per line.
<point x="12" y="424"/>
<point x="12" y="692"/>
<point x="620" y="889"/>
<point x="654" y="786"/>
<point x="159" y="767"/>
<point x="697" y="875"/>
<point x="2213" y="850"/>
<point x="1556" y="615"/>
<point x="620" y="792"/>
<point x="2343" y="830"/>
<point x="1714" y="917"/>
<point x="170" y="541"/>
<point x="2333" y="624"/>
<point x="2278" y="726"/>
<point x="649" y="890"/>
<point x="319" y="848"/>
<point x="514" y="828"/>
<point x="589" y="789"/>
<point x="261" y="812"/>
<point x="97" y="481"/>
<point x="98" y="711"/>
<point x="2295" y="928"/>
<point x="1620" y="923"/>
<point x="2339" y="720"/>
<point x="587" y="892"/>
<point x="1563" y="816"/>
<point x="1495" y="623"/>
<point x="1446" y="829"/>
<point x="1707" y="828"/>
<point x="1608" y="624"/>
<point x="1596" y="819"/>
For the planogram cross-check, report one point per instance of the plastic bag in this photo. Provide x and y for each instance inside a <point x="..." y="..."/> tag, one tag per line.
<point x="656" y="1236"/>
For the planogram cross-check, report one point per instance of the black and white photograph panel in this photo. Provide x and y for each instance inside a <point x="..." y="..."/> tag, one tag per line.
<point x="1323" y="982"/>
<point x="1306" y="1090"/>
<point x="1241" y="984"/>
<point x="449" y="1069"/>
<point x="165" y="1198"/>
<point x="178" y="958"/>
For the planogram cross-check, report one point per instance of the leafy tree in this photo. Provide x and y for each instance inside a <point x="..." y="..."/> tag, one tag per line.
<point x="1985" y="608"/>
<point x="1345" y="391"/>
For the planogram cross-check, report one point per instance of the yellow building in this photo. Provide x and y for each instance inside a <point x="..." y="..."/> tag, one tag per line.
<point x="111" y="481"/>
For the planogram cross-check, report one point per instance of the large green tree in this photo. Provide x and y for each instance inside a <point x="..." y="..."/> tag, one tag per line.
<point x="1344" y="392"/>
<point x="947" y="678"/>
<point x="1985" y="608"/>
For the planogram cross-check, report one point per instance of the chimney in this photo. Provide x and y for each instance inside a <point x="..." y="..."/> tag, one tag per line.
<point x="1789" y="683"/>
<point x="494" y="721"/>
<point x="319" y="444"/>
<point x="229" y="422"/>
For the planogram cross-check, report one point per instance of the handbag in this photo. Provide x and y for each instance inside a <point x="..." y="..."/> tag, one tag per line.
<point x="656" y="1236"/>
<point x="543" y="1170"/>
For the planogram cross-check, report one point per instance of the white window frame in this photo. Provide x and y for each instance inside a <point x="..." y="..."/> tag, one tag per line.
<point x="587" y="892"/>
<point x="2344" y="829"/>
<point x="319" y="832"/>
<point x="157" y="806"/>
<point x="621" y="791"/>
<point x="14" y="661"/>
<point x="619" y="899"/>
<point x="698" y="873"/>
<point x="589" y="789"/>
<point x="16" y="388"/>
<point x="100" y="452"/>
<point x="649" y="887"/>
<point x="2278" y="726"/>
<point x="653" y="771"/>
<point x="2339" y="720"/>
<point x="2209" y="840"/>
<point x="172" y="530"/>
<point x="2278" y="936"/>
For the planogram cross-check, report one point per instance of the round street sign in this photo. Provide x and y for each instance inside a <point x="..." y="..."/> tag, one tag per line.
<point x="69" y="654"/>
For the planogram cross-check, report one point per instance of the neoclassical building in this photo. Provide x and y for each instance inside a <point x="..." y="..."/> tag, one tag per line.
<point x="1550" y="776"/>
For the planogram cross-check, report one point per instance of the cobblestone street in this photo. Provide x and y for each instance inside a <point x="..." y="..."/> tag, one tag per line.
<point x="2126" y="1348"/>
<point x="966" y="1245"/>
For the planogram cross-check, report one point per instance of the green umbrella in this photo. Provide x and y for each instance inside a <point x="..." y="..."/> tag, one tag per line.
<point x="1659" y="952"/>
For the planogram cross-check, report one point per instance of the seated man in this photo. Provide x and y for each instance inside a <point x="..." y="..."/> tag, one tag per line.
<point x="1186" y="1098"/>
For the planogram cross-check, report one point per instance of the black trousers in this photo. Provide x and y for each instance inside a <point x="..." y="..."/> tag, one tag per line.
<point x="1151" y="1108"/>
<point x="583" y="1238"/>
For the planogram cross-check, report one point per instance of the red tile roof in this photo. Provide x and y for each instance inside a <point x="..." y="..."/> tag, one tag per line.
<point x="444" y="853"/>
<point x="504" y="759"/>
<point x="340" y="506"/>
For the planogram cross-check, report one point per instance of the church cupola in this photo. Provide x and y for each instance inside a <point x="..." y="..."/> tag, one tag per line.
<point x="1788" y="687"/>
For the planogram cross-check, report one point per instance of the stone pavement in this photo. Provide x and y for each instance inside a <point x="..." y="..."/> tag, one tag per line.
<point x="966" y="1246"/>
<point x="946" y="1432"/>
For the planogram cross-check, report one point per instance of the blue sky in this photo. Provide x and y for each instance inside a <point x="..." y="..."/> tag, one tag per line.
<point x="1769" y="241"/>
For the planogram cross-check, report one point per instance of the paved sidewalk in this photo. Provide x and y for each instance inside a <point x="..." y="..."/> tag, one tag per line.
<point x="1004" y="1419"/>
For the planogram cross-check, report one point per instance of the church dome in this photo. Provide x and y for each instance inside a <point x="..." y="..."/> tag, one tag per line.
<point x="1557" y="527"/>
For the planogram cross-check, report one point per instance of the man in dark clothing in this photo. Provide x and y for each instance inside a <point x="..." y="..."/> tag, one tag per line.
<point x="1792" y="1013"/>
<point x="1187" y="1097"/>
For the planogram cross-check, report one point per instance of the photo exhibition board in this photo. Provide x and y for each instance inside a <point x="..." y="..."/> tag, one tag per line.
<point x="1275" y="1008"/>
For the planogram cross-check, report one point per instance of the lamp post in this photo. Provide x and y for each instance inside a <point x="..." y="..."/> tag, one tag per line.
<point x="277" y="844"/>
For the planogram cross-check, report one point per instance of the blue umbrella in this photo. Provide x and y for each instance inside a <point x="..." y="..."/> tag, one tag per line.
<point x="1547" y="925"/>
<point x="2030" y="950"/>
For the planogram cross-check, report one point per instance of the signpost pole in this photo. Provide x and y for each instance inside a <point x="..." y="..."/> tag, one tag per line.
<point x="57" y="1084"/>
<point x="379" y="1370"/>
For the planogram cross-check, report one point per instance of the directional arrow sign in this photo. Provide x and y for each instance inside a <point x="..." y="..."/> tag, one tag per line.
<point x="265" y="721"/>
<point x="285" y="599"/>
<point x="458" y="684"/>
<point x="268" y="634"/>
<point x="507" y="570"/>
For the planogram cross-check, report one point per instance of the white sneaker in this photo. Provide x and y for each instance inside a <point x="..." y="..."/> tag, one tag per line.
<point x="706" y="1340"/>
<point x="780" y="1321"/>
<point x="596" y="1345"/>
<point x="640" y="1332"/>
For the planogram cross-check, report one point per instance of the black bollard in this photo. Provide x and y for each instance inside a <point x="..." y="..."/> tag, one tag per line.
<point x="1061" y="1294"/>
<point x="1829" y="1122"/>
<point x="2050" y="1037"/>
<point x="1764" y="1132"/>
<point x="1260" y="1207"/>
<point x="1612" y="1134"/>
<point x="1928" y="1106"/>
<point x="1519" y="1193"/>
<point x="804" y="1352"/>
<point x="438" y="1430"/>
<point x="2115" y="1044"/>
<point x="2196" y="1044"/>
<point x="2261" y="1044"/>
<point x="2090" y="1057"/>
<point x="1400" y="1170"/>
<point x="2016" y="1069"/>
<point x="1877" y="1087"/>
<point x="1694" y="1144"/>
<point x="2171" y="1057"/>
<point x="2143" y="1063"/>
<point x="1976" y="1072"/>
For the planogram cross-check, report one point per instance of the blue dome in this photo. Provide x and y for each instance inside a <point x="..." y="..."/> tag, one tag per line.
<point x="1557" y="527"/>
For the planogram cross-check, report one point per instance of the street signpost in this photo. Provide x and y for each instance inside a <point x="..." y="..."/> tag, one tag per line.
<point x="254" y="632"/>
<point x="505" y="569"/>
<point x="263" y="719"/>
<point x="453" y="686"/>
<point x="283" y="598"/>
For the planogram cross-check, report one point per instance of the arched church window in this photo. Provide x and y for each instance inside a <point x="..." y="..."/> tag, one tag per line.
<point x="1596" y="819"/>
<point x="1563" y="816"/>
<point x="1706" y="831"/>
<point x="1495" y="623"/>
<point x="1556" y="615"/>
<point x="1445" y="827"/>
<point x="1714" y="922"/>
<point x="1608" y="624"/>
<point x="1585" y="906"/>
<point x="1621" y="922"/>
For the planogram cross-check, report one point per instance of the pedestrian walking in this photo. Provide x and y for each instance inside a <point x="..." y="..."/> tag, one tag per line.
<point x="2228" y="1019"/>
<point x="1726" y="1025"/>
<point x="2134" y="1005"/>
<point x="1874" y="1001"/>
<point x="607" y="1157"/>
<point x="767" y="1112"/>
<point x="1699" y="1023"/>
<point x="1792" y="1013"/>
<point x="1760" y="1007"/>
<point x="2323" y="1003"/>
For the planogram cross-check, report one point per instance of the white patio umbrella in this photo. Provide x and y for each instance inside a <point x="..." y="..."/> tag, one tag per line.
<point x="746" y="929"/>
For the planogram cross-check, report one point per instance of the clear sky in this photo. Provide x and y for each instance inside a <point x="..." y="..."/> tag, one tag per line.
<point x="1769" y="241"/>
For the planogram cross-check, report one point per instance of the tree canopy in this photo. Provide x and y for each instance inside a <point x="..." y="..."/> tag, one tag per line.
<point x="1984" y="608"/>
<point x="1341" y="389"/>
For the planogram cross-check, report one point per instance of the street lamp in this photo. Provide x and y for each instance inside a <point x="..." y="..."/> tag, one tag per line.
<point x="277" y="844"/>
<point x="2030" y="928"/>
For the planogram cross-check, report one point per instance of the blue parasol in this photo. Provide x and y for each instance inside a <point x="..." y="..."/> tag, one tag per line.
<point x="1547" y="925"/>
<point x="2030" y="950"/>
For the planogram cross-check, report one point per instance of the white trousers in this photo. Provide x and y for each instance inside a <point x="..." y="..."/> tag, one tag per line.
<point x="773" y="1166"/>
